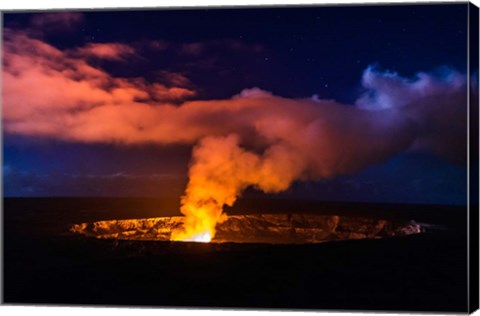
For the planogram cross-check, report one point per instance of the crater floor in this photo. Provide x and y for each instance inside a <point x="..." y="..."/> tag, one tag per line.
<point x="261" y="228"/>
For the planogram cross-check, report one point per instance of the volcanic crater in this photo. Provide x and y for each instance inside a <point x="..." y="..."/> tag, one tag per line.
<point x="261" y="228"/>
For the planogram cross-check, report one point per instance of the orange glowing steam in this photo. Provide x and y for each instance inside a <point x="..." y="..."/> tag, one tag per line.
<point x="202" y="206"/>
<point x="221" y="170"/>
<point x="199" y="224"/>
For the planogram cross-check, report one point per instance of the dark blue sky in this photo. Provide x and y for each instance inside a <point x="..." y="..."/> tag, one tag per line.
<point x="293" y="52"/>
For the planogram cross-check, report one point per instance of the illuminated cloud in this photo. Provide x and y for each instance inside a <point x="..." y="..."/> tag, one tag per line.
<point x="253" y="93"/>
<point x="174" y="78"/>
<point x="387" y="89"/>
<point x="110" y="51"/>
<point x="53" y="93"/>
<point x="54" y="88"/>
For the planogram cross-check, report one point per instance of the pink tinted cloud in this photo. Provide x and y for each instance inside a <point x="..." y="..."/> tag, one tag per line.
<point x="44" y="88"/>
<point x="56" y="21"/>
<point x="193" y="49"/>
<point x="109" y="51"/>
<point x="50" y="93"/>
<point x="174" y="78"/>
<point x="162" y="92"/>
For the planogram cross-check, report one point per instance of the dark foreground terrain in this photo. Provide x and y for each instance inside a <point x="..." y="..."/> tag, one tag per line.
<point x="45" y="264"/>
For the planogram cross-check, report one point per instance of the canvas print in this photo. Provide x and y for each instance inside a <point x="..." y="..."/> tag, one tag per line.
<point x="299" y="157"/>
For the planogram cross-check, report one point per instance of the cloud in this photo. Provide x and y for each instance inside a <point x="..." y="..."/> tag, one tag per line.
<point x="193" y="49"/>
<point x="51" y="93"/>
<point x="108" y="51"/>
<point x="57" y="21"/>
<point x="436" y="102"/>
<point x="47" y="90"/>
<point x="386" y="89"/>
<point x="161" y="92"/>
<point x="174" y="78"/>
<point x="253" y="93"/>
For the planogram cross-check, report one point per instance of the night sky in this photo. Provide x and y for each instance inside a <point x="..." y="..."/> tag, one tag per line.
<point x="311" y="52"/>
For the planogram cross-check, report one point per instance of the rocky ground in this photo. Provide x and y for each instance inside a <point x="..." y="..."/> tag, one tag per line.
<point x="259" y="228"/>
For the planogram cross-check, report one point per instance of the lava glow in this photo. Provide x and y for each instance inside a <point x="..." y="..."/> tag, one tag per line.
<point x="259" y="228"/>
<point x="202" y="237"/>
<point x="199" y="223"/>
